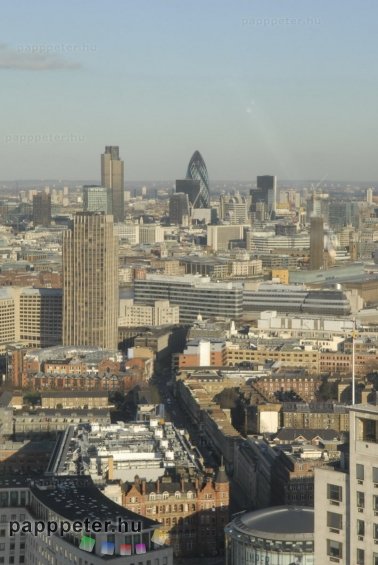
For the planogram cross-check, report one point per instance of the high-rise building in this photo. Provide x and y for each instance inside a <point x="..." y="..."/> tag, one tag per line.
<point x="197" y="171"/>
<point x="41" y="209"/>
<point x="318" y="205"/>
<point x="268" y="185"/>
<point x="343" y="213"/>
<point x="234" y="209"/>
<point x="369" y="195"/>
<point x="316" y="243"/>
<point x="346" y="501"/>
<point x="191" y="188"/>
<point x="90" y="282"/>
<point x="97" y="199"/>
<point x="266" y="194"/>
<point x="179" y="212"/>
<point x="112" y="176"/>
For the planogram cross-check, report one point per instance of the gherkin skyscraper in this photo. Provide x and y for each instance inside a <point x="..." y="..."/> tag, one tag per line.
<point x="197" y="172"/>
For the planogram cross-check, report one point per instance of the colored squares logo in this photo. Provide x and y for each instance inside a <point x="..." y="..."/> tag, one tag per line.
<point x="140" y="548"/>
<point x="87" y="543"/>
<point x="107" y="548"/>
<point x="125" y="549"/>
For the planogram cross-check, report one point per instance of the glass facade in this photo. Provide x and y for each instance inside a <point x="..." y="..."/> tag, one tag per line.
<point x="197" y="171"/>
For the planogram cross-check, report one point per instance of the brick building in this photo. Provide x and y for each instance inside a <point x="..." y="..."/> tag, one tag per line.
<point x="192" y="511"/>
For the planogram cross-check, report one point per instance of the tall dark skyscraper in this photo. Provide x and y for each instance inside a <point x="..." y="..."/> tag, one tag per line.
<point x="191" y="188"/>
<point x="179" y="212"/>
<point x="112" y="176"/>
<point x="316" y="243"/>
<point x="266" y="192"/>
<point x="197" y="171"/>
<point x="41" y="209"/>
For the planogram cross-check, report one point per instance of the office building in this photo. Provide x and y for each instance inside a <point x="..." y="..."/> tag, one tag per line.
<point x="346" y="501"/>
<point x="127" y="232"/>
<point x="40" y="316"/>
<point x="192" y="294"/>
<point x="123" y="537"/>
<point x="112" y="176"/>
<point x="219" y="238"/>
<point x="138" y="315"/>
<point x="191" y="188"/>
<point x="179" y="212"/>
<point x="97" y="199"/>
<point x="369" y="196"/>
<point x="264" y="196"/>
<point x="268" y="185"/>
<point x="151" y="233"/>
<point x="296" y="298"/>
<point x="343" y="213"/>
<point x="41" y="209"/>
<point x="31" y="316"/>
<point x="90" y="282"/>
<point x="316" y="243"/>
<point x="281" y="535"/>
<point x="197" y="171"/>
<point x="234" y="209"/>
<point x="318" y="205"/>
<point x="8" y="317"/>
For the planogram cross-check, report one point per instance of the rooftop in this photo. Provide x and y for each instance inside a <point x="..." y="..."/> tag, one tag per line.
<point x="76" y="498"/>
<point x="278" y="522"/>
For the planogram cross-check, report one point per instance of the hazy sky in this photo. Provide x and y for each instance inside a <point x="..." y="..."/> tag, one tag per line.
<point x="286" y="87"/>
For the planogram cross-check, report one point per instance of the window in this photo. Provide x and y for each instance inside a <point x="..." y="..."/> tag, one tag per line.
<point x="375" y="503"/>
<point x="359" y="472"/>
<point x="375" y="475"/>
<point x="366" y="430"/>
<point x="360" y="557"/>
<point x="360" y="499"/>
<point x="360" y="528"/>
<point x="334" y="520"/>
<point x="334" y="492"/>
<point x="334" y="548"/>
<point x="375" y="531"/>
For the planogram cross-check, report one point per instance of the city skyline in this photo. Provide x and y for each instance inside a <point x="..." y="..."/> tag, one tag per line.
<point x="256" y="87"/>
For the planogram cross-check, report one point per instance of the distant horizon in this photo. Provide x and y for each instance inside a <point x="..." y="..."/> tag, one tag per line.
<point x="212" y="181"/>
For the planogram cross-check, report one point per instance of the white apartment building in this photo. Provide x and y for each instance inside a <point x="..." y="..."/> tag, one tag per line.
<point x="346" y="502"/>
